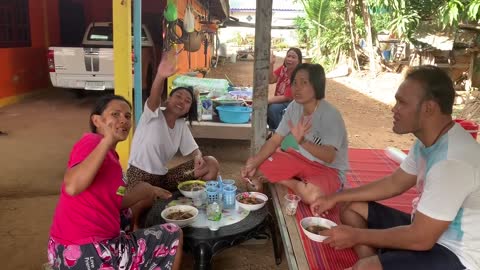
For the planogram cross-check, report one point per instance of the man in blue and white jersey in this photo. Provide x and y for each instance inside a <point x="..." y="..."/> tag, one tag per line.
<point x="442" y="232"/>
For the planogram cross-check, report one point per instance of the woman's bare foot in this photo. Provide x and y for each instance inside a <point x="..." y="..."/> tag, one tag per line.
<point x="308" y="192"/>
<point x="257" y="184"/>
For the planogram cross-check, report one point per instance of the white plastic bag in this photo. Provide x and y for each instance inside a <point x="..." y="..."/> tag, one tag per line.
<point x="189" y="20"/>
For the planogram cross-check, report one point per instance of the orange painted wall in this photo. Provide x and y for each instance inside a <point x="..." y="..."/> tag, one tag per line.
<point x="197" y="59"/>
<point x="24" y="70"/>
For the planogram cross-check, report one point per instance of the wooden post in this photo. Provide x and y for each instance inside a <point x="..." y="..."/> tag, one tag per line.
<point x="350" y="17"/>
<point x="122" y="55"/>
<point x="471" y="67"/>
<point x="45" y="24"/>
<point x="137" y="45"/>
<point x="368" y="29"/>
<point x="263" y="25"/>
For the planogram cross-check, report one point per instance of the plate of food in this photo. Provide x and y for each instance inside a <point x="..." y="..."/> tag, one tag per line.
<point x="312" y="226"/>
<point x="188" y="188"/>
<point x="182" y="215"/>
<point x="251" y="200"/>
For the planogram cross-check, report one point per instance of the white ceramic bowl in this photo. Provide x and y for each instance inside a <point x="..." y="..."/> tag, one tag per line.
<point x="184" y="208"/>
<point x="311" y="221"/>
<point x="187" y="193"/>
<point x="251" y="207"/>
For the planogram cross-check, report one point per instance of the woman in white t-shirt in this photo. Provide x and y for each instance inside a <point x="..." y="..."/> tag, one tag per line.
<point x="161" y="133"/>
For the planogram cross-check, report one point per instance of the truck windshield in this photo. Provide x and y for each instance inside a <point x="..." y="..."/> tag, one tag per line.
<point x="105" y="33"/>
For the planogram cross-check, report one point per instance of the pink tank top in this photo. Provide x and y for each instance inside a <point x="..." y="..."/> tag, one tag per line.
<point x="94" y="214"/>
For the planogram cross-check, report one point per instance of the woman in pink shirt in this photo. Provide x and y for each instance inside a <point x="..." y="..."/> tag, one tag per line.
<point x="283" y="93"/>
<point x="86" y="229"/>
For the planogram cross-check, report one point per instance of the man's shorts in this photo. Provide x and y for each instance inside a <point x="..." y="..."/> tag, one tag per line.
<point x="438" y="258"/>
<point x="292" y="165"/>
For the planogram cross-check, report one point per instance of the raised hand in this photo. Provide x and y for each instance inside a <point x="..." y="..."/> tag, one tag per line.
<point x="301" y="129"/>
<point x="321" y="205"/>
<point x="168" y="64"/>
<point x="272" y="58"/>
<point x="111" y="134"/>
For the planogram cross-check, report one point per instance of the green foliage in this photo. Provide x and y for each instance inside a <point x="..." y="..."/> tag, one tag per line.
<point x="305" y="32"/>
<point x="407" y="14"/>
<point x="241" y="41"/>
<point x="473" y="10"/>
<point x="455" y="11"/>
<point x="323" y="30"/>
<point x="381" y="21"/>
<point x="452" y="12"/>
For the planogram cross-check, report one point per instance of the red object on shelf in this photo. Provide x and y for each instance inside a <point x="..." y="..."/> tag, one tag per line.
<point x="469" y="126"/>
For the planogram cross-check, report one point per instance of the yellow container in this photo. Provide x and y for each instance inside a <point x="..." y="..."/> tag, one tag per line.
<point x="170" y="83"/>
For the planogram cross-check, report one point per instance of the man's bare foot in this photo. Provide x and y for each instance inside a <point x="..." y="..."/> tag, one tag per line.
<point x="308" y="192"/>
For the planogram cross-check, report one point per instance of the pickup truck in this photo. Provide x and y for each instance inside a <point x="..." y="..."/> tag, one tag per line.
<point x="90" y="67"/>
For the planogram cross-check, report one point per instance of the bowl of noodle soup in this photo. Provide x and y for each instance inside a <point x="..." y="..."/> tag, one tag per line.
<point x="182" y="215"/>
<point x="189" y="188"/>
<point x="251" y="200"/>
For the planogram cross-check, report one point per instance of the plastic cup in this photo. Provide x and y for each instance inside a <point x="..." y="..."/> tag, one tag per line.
<point x="211" y="183"/>
<point x="212" y="194"/>
<point x="228" y="182"/>
<point x="214" y="215"/>
<point x="213" y="225"/>
<point x="197" y="196"/>
<point x="229" y="192"/>
<point x="291" y="204"/>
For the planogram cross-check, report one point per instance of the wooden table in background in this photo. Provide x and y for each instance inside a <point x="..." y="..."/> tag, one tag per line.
<point x="218" y="130"/>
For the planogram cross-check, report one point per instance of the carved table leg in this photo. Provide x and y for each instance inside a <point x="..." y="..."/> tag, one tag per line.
<point x="202" y="256"/>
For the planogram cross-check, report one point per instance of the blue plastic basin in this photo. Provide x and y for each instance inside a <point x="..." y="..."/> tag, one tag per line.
<point x="234" y="114"/>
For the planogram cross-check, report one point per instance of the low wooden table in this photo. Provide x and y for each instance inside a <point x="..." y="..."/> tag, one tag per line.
<point x="289" y="230"/>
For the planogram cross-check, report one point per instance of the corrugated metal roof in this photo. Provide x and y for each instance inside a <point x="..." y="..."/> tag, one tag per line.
<point x="277" y="5"/>
<point x="218" y="9"/>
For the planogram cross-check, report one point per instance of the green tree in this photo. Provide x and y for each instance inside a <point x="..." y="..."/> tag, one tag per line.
<point x="329" y="27"/>
<point x="407" y="14"/>
<point x="324" y="30"/>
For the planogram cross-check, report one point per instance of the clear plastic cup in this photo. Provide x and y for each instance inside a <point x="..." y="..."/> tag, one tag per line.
<point x="291" y="204"/>
<point x="214" y="215"/>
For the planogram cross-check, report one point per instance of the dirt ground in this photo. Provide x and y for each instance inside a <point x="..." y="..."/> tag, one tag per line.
<point x="41" y="132"/>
